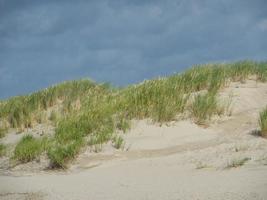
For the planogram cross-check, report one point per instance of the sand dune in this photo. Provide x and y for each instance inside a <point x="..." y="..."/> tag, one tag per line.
<point x="180" y="160"/>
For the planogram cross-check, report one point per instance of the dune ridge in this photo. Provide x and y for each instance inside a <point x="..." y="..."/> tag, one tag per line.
<point x="222" y="157"/>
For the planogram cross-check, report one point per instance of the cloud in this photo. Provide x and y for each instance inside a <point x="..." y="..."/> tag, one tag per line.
<point x="263" y="25"/>
<point x="122" y="41"/>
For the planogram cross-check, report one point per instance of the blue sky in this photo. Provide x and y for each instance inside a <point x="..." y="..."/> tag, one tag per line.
<point x="43" y="42"/>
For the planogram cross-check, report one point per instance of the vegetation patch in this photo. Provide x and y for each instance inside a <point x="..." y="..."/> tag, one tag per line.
<point x="263" y="123"/>
<point x="237" y="162"/>
<point x="28" y="149"/>
<point x="22" y="111"/>
<point x="60" y="155"/>
<point x="3" y="132"/>
<point x="118" y="142"/>
<point x="2" y="150"/>
<point x="91" y="113"/>
<point x="203" y="107"/>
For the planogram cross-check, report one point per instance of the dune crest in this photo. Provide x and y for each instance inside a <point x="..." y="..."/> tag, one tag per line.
<point x="224" y="158"/>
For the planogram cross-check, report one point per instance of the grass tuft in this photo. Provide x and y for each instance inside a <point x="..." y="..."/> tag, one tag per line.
<point x="60" y="155"/>
<point x="263" y="123"/>
<point x="53" y="116"/>
<point x="238" y="162"/>
<point x="22" y="111"/>
<point x="118" y="142"/>
<point x="203" y="107"/>
<point x="28" y="149"/>
<point x="2" y="150"/>
<point x="3" y="132"/>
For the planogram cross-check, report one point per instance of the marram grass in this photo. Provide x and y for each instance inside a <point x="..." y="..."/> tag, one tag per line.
<point x="30" y="148"/>
<point x="27" y="149"/>
<point x="2" y="150"/>
<point x="60" y="154"/>
<point x="263" y="122"/>
<point x="203" y="107"/>
<point x="90" y="114"/>
<point x="20" y="111"/>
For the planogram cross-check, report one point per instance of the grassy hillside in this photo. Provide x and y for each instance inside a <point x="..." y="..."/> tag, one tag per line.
<point x="86" y="113"/>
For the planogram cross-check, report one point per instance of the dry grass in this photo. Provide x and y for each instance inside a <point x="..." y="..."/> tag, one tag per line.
<point x="237" y="162"/>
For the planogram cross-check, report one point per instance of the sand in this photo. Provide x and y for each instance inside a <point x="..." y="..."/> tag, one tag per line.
<point x="176" y="161"/>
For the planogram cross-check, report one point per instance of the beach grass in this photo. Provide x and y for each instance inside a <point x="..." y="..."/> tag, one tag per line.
<point x="90" y="114"/>
<point x="118" y="142"/>
<point x="27" y="149"/>
<point x="2" y="150"/>
<point x="203" y="107"/>
<point x="237" y="162"/>
<point x="61" y="154"/>
<point x="3" y="132"/>
<point x="263" y="122"/>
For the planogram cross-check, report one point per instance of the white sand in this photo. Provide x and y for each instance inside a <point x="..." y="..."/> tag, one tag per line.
<point x="179" y="161"/>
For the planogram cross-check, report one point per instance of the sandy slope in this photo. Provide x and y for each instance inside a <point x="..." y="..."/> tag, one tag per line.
<point x="178" y="161"/>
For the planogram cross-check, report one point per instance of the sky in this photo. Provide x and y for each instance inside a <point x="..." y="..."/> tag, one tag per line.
<point x="44" y="42"/>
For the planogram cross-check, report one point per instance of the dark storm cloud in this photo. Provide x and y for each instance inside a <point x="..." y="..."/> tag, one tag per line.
<point x="122" y="41"/>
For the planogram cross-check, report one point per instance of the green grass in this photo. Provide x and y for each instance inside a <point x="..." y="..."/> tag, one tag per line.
<point x="2" y="150"/>
<point x="203" y="107"/>
<point x="91" y="113"/>
<point x="122" y="123"/>
<point x="156" y="99"/>
<point x="3" y="132"/>
<point x="53" y="116"/>
<point x="118" y="142"/>
<point x="263" y="122"/>
<point x="61" y="154"/>
<point x="30" y="148"/>
<point x="20" y="111"/>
